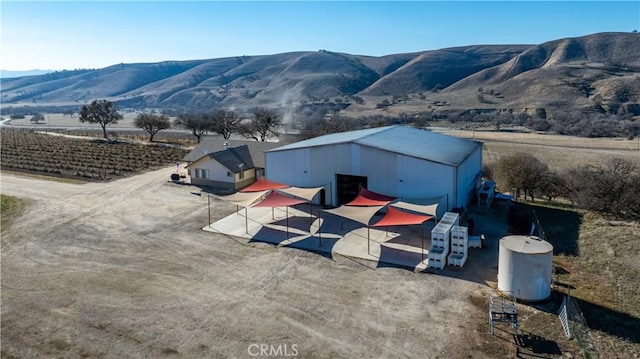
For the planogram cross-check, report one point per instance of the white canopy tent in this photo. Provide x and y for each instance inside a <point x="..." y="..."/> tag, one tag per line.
<point x="240" y="199"/>
<point x="359" y="214"/>
<point x="306" y="193"/>
<point x="427" y="206"/>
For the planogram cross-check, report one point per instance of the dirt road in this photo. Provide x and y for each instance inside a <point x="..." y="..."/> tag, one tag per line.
<point x="122" y="270"/>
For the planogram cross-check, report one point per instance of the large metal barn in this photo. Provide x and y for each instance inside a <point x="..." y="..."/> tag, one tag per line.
<point x="397" y="161"/>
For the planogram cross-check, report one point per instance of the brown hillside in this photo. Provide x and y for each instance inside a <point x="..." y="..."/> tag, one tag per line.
<point x="594" y="70"/>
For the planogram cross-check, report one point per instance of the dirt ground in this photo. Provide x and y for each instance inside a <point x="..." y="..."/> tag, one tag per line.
<point x="122" y="269"/>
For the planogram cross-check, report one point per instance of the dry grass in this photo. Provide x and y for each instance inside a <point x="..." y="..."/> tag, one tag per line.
<point x="558" y="152"/>
<point x="541" y="139"/>
<point x="600" y="266"/>
<point x="604" y="277"/>
<point x="600" y="255"/>
<point x="10" y="207"/>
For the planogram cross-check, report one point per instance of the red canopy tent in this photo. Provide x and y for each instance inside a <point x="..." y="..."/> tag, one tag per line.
<point x="275" y="199"/>
<point x="370" y="198"/>
<point x="263" y="184"/>
<point x="396" y="217"/>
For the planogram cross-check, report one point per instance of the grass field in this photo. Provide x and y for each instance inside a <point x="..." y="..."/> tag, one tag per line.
<point x="558" y="152"/>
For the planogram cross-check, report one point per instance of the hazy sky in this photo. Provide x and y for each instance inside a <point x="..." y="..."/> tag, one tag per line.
<point x="56" y="35"/>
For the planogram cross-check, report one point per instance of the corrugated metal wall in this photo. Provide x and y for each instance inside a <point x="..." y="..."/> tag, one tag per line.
<point x="468" y="173"/>
<point x="424" y="179"/>
<point x="388" y="173"/>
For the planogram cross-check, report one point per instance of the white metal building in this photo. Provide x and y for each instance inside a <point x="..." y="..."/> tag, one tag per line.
<point x="394" y="160"/>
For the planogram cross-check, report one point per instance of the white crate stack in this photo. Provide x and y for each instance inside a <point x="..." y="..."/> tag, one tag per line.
<point x="440" y="238"/>
<point x="459" y="246"/>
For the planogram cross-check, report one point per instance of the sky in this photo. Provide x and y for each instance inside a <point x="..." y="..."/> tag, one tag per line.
<point x="57" y="35"/>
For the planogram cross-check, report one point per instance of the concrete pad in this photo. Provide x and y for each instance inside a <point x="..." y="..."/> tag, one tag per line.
<point x="399" y="247"/>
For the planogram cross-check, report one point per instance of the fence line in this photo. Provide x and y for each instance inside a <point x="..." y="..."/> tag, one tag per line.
<point x="575" y="326"/>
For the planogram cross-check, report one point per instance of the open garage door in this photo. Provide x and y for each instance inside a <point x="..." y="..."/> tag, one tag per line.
<point x="348" y="187"/>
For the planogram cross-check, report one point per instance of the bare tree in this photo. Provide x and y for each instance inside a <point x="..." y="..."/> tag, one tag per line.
<point x="152" y="123"/>
<point x="264" y="124"/>
<point x="520" y="171"/>
<point x="37" y="118"/>
<point x="321" y="125"/>
<point x="199" y="124"/>
<point x="224" y="123"/>
<point x="612" y="188"/>
<point x="102" y="112"/>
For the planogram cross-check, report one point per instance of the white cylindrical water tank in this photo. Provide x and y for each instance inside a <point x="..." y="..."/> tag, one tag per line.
<point x="524" y="267"/>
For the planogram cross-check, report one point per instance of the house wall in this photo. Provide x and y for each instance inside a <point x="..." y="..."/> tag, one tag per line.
<point x="249" y="176"/>
<point x="220" y="176"/>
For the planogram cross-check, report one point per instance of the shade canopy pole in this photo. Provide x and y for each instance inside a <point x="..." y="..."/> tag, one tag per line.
<point x="246" y="220"/>
<point x="209" y="211"/>
<point x="287" y="220"/>
<point x="368" y="241"/>
<point x="422" y="239"/>
<point x="319" y="228"/>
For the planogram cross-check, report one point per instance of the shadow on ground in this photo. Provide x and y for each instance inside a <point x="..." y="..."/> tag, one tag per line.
<point x="530" y="345"/>
<point x="610" y="321"/>
<point x="295" y="222"/>
<point x="316" y="244"/>
<point x="270" y="235"/>
<point x="561" y="228"/>
<point x="598" y="317"/>
<point x="387" y="254"/>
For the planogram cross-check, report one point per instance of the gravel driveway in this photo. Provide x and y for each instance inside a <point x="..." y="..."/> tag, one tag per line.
<point x="123" y="270"/>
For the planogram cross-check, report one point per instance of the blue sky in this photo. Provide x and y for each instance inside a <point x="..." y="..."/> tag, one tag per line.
<point x="55" y="35"/>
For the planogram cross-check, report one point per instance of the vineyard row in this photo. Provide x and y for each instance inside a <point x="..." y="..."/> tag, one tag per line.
<point x="24" y="150"/>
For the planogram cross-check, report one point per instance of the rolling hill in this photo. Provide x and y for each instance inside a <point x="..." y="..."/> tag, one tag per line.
<point x="596" y="70"/>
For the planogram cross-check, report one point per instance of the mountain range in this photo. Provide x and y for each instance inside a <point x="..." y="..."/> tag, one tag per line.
<point x="595" y="71"/>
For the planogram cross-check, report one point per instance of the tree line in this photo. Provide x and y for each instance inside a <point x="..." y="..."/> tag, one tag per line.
<point x="263" y="124"/>
<point x="612" y="188"/>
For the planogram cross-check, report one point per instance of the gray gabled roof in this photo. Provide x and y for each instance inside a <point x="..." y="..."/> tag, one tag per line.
<point x="211" y="144"/>
<point x="233" y="158"/>
<point x="427" y="145"/>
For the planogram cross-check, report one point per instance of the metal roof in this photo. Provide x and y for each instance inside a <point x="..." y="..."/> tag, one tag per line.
<point x="427" y="145"/>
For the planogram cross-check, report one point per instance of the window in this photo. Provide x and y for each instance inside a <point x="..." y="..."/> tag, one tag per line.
<point x="202" y="173"/>
<point x="241" y="173"/>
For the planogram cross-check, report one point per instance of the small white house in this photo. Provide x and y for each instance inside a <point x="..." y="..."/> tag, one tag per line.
<point x="231" y="164"/>
<point x="395" y="160"/>
<point x="230" y="168"/>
